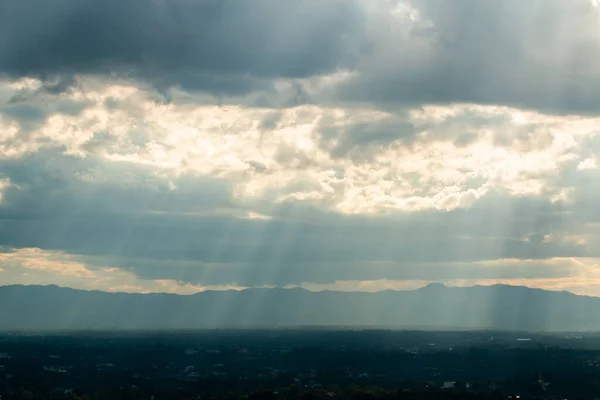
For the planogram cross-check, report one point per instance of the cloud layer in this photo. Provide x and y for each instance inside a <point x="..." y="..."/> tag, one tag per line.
<point x="155" y="146"/>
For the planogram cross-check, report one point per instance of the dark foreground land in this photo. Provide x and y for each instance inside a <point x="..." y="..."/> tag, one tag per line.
<point x="308" y="364"/>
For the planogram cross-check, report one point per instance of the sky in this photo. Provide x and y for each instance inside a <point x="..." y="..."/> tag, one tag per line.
<point x="362" y="145"/>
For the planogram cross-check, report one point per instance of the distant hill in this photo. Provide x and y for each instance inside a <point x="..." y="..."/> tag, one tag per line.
<point x="432" y="307"/>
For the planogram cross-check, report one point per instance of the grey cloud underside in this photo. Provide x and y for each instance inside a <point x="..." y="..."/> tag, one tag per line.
<point x="297" y="273"/>
<point x="277" y="243"/>
<point x="537" y="54"/>
<point x="216" y="45"/>
<point x="139" y="224"/>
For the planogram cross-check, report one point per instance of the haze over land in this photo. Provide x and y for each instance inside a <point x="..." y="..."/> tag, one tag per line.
<point x="352" y="145"/>
<point x="433" y="307"/>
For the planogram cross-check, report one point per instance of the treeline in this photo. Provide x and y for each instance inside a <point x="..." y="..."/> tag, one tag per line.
<point x="283" y="394"/>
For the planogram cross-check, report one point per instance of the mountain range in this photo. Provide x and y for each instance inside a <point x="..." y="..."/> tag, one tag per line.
<point x="432" y="307"/>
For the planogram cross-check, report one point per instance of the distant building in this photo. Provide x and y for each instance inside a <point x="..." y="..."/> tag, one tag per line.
<point x="449" y="385"/>
<point x="63" y="391"/>
<point x="104" y="366"/>
<point x="55" y="369"/>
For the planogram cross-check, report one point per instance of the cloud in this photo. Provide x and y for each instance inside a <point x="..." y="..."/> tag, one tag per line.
<point x="350" y="160"/>
<point x="389" y="53"/>
<point x="49" y="185"/>
<point x="36" y="266"/>
<point x="537" y="55"/>
<point x="173" y="191"/>
<point x="228" y="46"/>
<point x="334" y="144"/>
<point x="192" y="229"/>
<point x="328" y="273"/>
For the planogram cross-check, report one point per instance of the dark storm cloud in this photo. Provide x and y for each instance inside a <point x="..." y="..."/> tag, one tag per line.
<point x="540" y="54"/>
<point x="215" y="45"/>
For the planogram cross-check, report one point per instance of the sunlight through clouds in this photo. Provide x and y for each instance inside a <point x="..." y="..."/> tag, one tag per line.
<point x="433" y="158"/>
<point x="36" y="266"/>
<point x="408" y="137"/>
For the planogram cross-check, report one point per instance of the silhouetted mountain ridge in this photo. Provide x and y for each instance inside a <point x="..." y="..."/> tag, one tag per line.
<point x="432" y="307"/>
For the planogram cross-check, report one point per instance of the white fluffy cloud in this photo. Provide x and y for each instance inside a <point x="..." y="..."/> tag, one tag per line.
<point x="349" y="160"/>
